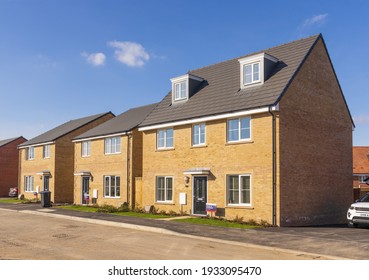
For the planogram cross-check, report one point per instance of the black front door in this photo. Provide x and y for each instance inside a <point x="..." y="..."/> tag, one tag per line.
<point x="85" y="190"/>
<point x="200" y="185"/>
<point x="46" y="183"/>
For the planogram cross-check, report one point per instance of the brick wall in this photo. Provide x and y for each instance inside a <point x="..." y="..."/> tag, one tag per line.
<point x="254" y="158"/>
<point x="315" y="146"/>
<point x="34" y="166"/>
<point x="100" y="165"/>
<point x="9" y="164"/>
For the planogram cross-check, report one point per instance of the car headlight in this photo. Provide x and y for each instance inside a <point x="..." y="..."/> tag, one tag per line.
<point x="352" y="208"/>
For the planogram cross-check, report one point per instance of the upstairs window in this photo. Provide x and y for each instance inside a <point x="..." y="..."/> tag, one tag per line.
<point x="165" y="138"/>
<point x="198" y="134"/>
<point x="251" y="73"/>
<point x="180" y="91"/>
<point x="183" y="87"/>
<point x="86" y="148"/>
<point x="30" y="153"/>
<point x="239" y="129"/>
<point x="255" y="69"/>
<point x="112" y="145"/>
<point x="46" y="151"/>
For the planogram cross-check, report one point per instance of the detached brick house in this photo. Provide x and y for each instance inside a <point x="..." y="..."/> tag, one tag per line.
<point x="47" y="161"/>
<point x="108" y="158"/>
<point x="9" y="164"/>
<point x="360" y="171"/>
<point x="266" y="136"/>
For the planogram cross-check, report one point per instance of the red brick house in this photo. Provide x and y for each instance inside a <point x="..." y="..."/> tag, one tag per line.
<point x="360" y="157"/>
<point x="9" y="163"/>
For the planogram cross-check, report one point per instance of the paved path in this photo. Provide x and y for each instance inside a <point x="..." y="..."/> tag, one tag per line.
<point x="335" y="242"/>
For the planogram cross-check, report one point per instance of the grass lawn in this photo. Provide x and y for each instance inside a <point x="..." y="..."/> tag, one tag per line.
<point x="130" y="214"/>
<point x="216" y="222"/>
<point x="9" y="200"/>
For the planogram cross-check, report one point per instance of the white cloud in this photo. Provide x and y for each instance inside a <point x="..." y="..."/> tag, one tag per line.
<point x="318" y="19"/>
<point x="96" y="59"/>
<point x="361" y="120"/>
<point x="130" y="53"/>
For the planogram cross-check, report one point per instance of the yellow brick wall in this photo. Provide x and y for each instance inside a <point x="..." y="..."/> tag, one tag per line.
<point x="38" y="164"/>
<point x="100" y="165"/>
<point x="253" y="158"/>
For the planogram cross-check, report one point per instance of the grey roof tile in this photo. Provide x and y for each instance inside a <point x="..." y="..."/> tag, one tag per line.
<point x="62" y="130"/>
<point x="121" y="123"/>
<point x="221" y="89"/>
<point x="7" y="141"/>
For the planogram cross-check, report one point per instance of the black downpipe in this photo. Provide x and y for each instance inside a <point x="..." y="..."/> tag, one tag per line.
<point x="274" y="170"/>
<point x="129" y="169"/>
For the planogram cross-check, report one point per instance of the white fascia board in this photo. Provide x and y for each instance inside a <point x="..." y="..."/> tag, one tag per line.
<point x="211" y="118"/>
<point x="37" y="145"/>
<point x="186" y="77"/>
<point x="257" y="57"/>
<point x="99" y="137"/>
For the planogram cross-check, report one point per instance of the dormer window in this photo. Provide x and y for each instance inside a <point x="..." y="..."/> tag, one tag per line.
<point x="251" y="73"/>
<point x="180" y="90"/>
<point x="184" y="87"/>
<point x="256" y="69"/>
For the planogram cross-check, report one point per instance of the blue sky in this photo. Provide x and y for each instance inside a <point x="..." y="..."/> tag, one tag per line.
<point x="66" y="59"/>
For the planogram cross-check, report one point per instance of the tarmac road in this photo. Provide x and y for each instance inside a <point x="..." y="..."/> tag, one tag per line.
<point x="327" y="242"/>
<point x="33" y="237"/>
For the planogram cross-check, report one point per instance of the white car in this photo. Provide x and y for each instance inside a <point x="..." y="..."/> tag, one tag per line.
<point x="358" y="213"/>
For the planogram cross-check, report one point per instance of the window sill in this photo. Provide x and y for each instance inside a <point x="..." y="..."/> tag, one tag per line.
<point x="112" y="154"/>
<point x="199" y="146"/>
<point x="239" y="207"/>
<point x="239" y="142"/>
<point x="112" y="197"/>
<point x="165" y="149"/>
<point x="164" y="203"/>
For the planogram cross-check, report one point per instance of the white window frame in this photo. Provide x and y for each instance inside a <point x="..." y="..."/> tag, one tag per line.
<point x="166" y="200"/>
<point x="197" y="128"/>
<point x="112" y="145"/>
<point x="30" y="153"/>
<point x="110" y="187"/>
<point x="253" y="80"/>
<point x="239" y="129"/>
<point x="86" y="148"/>
<point x="46" y="151"/>
<point x="361" y="178"/>
<point x="165" y="139"/>
<point x="182" y="87"/>
<point x="239" y="190"/>
<point x="28" y="183"/>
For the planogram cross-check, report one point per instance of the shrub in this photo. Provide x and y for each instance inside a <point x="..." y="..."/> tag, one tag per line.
<point x="238" y="219"/>
<point x="124" y="207"/>
<point x="107" y="209"/>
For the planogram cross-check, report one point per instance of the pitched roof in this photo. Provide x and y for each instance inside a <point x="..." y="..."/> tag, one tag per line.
<point x="7" y="141"/>
<point x="124" y="122"/>
<point x="220" y="92"/>
<point x="62" y="130"/>
<point x="360" y="157"/>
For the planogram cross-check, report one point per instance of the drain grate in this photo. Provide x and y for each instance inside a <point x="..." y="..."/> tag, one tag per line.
<point x="60" y="235"/>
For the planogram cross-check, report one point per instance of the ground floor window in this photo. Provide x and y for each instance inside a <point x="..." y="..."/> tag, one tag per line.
<point x="164" y="189"/>
<point x="28" y="183"/>
<point x="112" y="186"/>
<point x="239" y="190"/>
